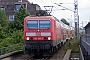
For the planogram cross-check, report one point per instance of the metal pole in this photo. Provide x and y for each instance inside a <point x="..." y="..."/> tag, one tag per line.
<point x="82" y="28"/>
<point x="76" y="16"/>
<point x="78" y="24"/>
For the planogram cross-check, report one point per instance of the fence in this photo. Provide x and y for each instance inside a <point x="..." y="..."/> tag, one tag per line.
<point x="6" y="50"/>
<point x="85" y="46"/>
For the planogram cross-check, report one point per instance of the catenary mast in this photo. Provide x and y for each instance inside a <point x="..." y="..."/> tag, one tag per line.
<point x="76" y="17"/>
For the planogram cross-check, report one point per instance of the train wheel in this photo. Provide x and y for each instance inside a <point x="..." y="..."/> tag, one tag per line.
<point x="61" y="43"/>
<point x="52" y="50"/>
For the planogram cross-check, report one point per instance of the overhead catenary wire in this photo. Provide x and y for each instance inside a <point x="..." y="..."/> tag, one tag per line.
<point x="64" y="7"/>
<point x="51" y="9"/>
<point x="43" y="2"/>
<point x="51" y="6"/>
<point x="47" y="6"/>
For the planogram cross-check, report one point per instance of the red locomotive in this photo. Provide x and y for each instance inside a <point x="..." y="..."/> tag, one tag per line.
<point x="43" y="35"/>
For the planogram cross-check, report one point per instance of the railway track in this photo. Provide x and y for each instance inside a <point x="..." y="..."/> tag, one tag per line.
<point x="59" y="55"/>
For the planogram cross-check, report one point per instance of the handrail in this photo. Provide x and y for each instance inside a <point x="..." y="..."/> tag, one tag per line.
<point x="86" y="42"/>
<point x="85" y="34"/>
<point x="82" y="57"/>
<point x="67" y="55"/>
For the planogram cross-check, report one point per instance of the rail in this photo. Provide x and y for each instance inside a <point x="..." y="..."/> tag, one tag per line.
<point x="9" y="49"/>
<point x="67" y="55"/>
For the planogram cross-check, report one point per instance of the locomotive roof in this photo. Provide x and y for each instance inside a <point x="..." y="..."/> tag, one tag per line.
<point x="33" y="16"/>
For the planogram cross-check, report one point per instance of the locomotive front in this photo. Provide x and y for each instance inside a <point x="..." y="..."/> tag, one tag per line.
<point x="38" y="36"/>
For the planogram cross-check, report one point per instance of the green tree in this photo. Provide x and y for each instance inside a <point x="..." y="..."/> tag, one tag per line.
<point x="19" y="18"/>
<point x="3" y="18"/>
<point x="14" y="33"/>
<point x="3" y="24"/>
<point x="17" y="36"/>
<point x="64" y="21"/>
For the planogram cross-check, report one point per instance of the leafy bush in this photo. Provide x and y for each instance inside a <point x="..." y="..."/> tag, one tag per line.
<point x="73" y="45"/>
<point x="11" y="33"/>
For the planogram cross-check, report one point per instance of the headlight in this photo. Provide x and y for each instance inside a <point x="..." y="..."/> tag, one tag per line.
<point x="27" y="38"/>
<point x="49" y="38"/>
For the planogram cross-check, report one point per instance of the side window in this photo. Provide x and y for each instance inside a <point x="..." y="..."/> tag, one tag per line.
<point x="54" y="23"/>
<point x="62" y="31"/>
<point x="67" y="31"/>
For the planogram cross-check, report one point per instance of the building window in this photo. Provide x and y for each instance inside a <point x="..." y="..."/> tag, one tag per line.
<point x="37" y="8"/>
<point x="11" y="17"/>
<point x="19" y="0"/>
<point x="2" y="8"/>
<point x="18" y="6"/>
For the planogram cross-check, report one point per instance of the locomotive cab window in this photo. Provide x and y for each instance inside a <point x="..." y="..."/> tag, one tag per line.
<point x="44" y="24"/>
<point x="32" y="23"/>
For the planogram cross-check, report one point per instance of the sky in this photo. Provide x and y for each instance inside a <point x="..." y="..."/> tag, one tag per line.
<point x="83" y="9"/>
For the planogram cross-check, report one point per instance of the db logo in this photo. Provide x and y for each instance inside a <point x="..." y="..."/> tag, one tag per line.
<point x="38" y="34"/>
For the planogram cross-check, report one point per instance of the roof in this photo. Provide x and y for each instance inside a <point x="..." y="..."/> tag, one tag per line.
<point x="9" y="5"/>
<point x="87" y="25"/>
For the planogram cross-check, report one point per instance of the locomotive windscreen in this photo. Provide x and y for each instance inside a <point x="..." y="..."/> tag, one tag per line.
<point x="44" y="23"/>
<point x="32" y="23"/>
<point x="38" y="23"/>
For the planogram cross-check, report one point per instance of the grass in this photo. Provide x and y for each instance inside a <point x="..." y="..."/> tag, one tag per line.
<point x="73" y="44"/>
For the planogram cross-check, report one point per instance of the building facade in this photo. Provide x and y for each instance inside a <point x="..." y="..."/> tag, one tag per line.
<point x="11" y="6"/>
<point x="87" y="28"/>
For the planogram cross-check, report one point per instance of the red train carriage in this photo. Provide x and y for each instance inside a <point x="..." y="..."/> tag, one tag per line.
<point x="65" y="32"/>
<point x="72" y="32"/>
<point x="42" y="35"/>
